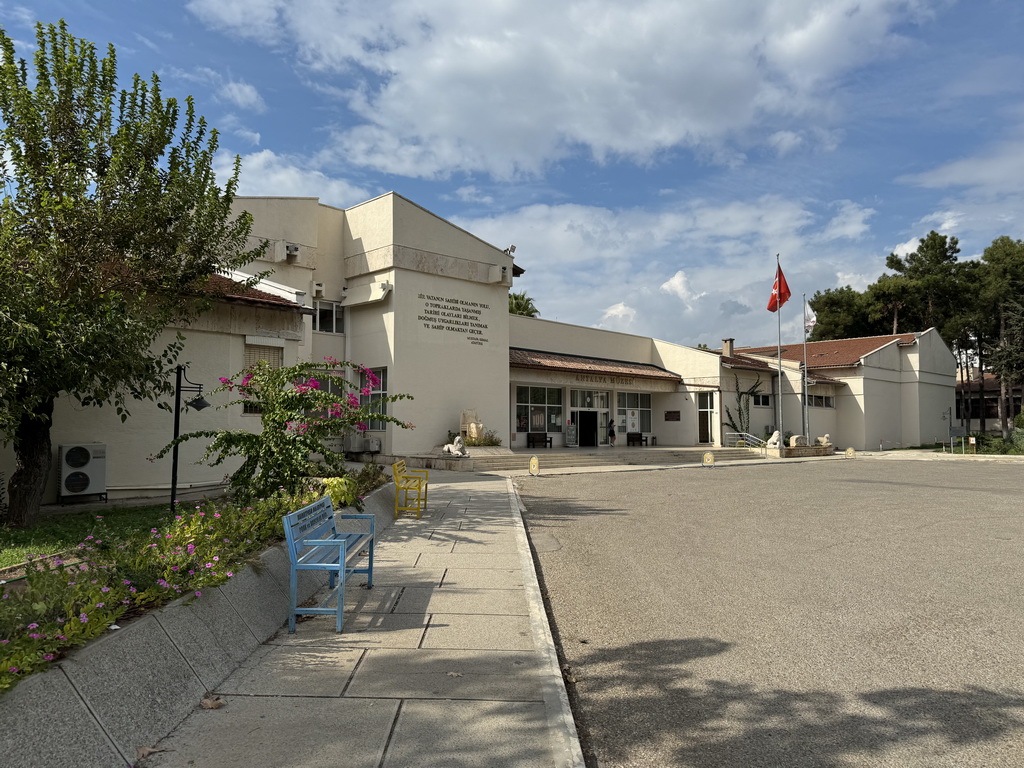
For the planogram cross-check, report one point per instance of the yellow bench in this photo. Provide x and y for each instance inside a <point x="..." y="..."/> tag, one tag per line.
<point x="410" y="488"/>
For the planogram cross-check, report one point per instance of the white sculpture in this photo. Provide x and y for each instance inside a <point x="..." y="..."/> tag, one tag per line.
<point x="457" y="448"/>
<point x="797" y="441"/>
<point x="773" y="441"/>
<point x="470" y="424"/>
<point x="823" y="440"/>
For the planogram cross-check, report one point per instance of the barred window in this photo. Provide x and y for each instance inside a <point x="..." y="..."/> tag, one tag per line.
<point x="254" y="353"/>
<point x="374" y="400"/>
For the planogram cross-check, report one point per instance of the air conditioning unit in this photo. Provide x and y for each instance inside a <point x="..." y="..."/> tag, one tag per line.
<point x="355" y="443"/>
<point x="83" y="470"/>
<point x="318" y="290"/>
<point x="373" y="445"/>
<point x="291" y="249"/>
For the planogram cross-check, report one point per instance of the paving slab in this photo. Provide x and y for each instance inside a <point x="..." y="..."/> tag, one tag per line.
<point x="482" y="578"/>
<point x="113" y="676"/>
<point x="508" y="602"/>
<point x="497" y="560"/>
<point x="278" y="670"/>
<point x="461" y="734"/>
<point x="362" y="630"/>
<point x="210" y="634"/>
<point x="465" y="631"/>
<point x="25" y="742"/>
<point x="282" y="732"/>
<point x="448" y="674"/>
<point x="399" y="574"/>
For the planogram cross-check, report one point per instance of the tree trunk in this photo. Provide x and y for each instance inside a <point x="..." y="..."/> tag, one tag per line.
<point x="32" y="465"/>
<point x="1004" y="408"/>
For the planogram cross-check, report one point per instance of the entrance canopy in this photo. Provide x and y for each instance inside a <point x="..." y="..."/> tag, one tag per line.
<point x="595" y="370"/>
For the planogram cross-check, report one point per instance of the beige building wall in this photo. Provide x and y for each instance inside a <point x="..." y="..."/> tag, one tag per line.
<point x="214" y="347"/>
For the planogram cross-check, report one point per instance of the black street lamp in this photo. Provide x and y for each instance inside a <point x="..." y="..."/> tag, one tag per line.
<point x="198" y="402"/>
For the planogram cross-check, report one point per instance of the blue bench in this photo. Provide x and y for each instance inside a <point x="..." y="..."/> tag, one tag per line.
<point x="315" y="544"/>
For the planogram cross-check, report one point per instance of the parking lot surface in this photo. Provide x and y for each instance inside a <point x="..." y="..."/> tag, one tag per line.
<point x="817" y="615"/>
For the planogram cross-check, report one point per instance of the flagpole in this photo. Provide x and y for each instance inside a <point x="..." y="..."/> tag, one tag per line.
<point x="807" y="413"/>
<point x="778" y="268"/>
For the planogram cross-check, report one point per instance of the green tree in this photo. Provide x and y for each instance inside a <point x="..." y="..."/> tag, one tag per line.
<point x="842" y="313"/>
<point x="521" y="304"/>
<point x="1003" y="287"/>
<point x="110" y="227"/>
<point x="929" y="278"/>
<point x="740" y="421"/>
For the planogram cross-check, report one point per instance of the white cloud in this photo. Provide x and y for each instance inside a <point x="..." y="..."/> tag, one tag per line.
<point x="678" y="285"/>
<point x="998" y="169"/>
<point x="508" y="89"/>
<point x="266" y="173"/>
<point x="850" y="222"/>
<point x="619" y="316"/>
<point x="242" y="95"/>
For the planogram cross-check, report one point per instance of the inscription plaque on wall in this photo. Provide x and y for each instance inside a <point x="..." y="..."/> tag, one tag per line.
<point x="451" y="315"/>
<point x="671" y="415"/>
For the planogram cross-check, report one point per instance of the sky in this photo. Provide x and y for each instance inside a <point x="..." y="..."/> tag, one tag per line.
<point x="647" y="158"/>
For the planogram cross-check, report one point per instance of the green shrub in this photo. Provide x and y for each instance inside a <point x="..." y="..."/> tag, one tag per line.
<point x="490" y="437"/>
<point x="64" y="602"/>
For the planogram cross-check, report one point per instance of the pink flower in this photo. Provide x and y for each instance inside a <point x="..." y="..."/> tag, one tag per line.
<point x="47" y="657"/>
<point x="13" y="669"/>
<point x="33" y="625"/>
<point x="83" y="618"/>
<point x="198" y="593"/>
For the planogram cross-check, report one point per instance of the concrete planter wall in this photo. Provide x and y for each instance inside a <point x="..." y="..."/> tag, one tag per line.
<point x="133" y="686"/>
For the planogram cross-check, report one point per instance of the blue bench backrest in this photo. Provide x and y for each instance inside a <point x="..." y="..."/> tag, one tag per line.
<point x="310" y="522"/>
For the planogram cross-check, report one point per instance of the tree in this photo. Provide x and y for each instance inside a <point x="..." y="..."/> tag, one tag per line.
<point x="110" y="227"/>
<point x="842" y="313"/>
<point x="928" y="274"/>
<point x="521" y="304"/>
<point x="1003" y="286"/>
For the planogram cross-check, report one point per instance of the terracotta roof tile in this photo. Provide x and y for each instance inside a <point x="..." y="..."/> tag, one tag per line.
<point x="532" y="358"/>
<point x="839" y="353"/>
<point x="230" y="290"/>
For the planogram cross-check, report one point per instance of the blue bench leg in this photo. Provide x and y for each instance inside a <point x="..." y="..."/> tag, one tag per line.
<point x="369" y="575"/>
<point x="293" y="599"/>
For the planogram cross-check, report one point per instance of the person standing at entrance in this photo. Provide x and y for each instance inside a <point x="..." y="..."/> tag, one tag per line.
<point x="611" y="430"/>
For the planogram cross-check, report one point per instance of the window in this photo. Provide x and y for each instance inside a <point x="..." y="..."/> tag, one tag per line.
<point x="763" y="401"/>
<point x="635" y="401"/>
<point x="538" y="409"/>
<point x="821" y="401"/>
<point x="376" y="381"/>
<point x="329" y="317"/>
<point x="254" y="353"/>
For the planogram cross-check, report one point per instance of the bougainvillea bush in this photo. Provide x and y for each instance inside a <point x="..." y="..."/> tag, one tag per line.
<point x="302" y="408"/>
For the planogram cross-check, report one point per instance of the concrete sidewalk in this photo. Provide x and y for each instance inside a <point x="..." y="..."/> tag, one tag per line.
<point x="447" y="661"/>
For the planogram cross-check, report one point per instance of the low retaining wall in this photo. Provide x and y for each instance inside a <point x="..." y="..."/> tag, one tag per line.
<point x="802" y="451"/>
<point x="133" y="686"/>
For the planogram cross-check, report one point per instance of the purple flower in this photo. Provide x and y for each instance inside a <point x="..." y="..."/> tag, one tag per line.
<point x="198" y="593"/>
<point x="47" y="657"/>
<point x="33" y="625"/>
<point x="83" y="618"/>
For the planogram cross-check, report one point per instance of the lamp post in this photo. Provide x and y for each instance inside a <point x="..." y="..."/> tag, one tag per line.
<point x="198" y="402"/>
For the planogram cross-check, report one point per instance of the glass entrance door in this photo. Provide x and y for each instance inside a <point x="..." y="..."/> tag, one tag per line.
<point x="705" y="417"/>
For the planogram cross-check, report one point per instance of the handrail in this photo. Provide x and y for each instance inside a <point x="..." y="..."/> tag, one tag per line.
<point x="732" y="440"/>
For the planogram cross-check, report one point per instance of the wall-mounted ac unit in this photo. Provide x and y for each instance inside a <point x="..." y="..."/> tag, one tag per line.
<point x="355" y="443"/>
<point x="291" y="249"/>
<point x="373" y="445"/>
<point x="83" y="470"/>
<point x="318" y="290"/>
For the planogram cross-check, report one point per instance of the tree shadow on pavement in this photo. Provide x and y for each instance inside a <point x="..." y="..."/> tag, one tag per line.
<point x="643" y="704"/>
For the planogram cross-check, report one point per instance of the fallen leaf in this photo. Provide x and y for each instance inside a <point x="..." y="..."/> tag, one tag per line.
<point x="215" y="702"/>
<point x="454" y="674"/>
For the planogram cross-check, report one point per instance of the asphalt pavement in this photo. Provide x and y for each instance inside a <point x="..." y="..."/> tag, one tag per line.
<point x="808" y="614"/>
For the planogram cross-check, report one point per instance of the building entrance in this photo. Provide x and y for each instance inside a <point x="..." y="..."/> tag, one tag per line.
<point x="588" y="431"/>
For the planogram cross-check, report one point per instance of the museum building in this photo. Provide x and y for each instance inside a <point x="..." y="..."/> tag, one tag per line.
<point x="424" y="304"/>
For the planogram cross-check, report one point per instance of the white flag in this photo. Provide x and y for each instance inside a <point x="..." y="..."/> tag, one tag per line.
<point x="810" y="319"/>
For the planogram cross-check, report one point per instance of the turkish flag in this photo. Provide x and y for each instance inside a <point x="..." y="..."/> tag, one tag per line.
<point x="780" y="291"/>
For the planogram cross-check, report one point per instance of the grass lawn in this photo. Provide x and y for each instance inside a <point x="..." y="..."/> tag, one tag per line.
<point x="63" y="532"/>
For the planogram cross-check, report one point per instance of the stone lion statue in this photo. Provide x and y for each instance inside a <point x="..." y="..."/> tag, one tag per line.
<point x="774" y="440"/>
<point x="824" y="440"/>
<point x="457" y="448"/>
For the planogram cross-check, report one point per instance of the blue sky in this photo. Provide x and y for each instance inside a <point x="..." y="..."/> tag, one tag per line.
<point x="647" y="158"/>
